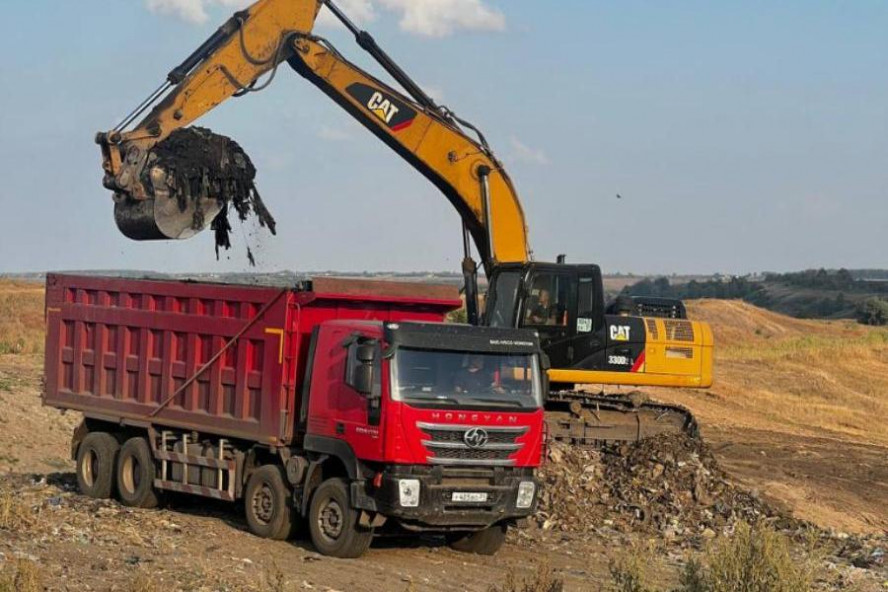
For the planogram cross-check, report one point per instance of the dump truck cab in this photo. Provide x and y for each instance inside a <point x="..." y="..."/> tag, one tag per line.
<point x="436" y="425"/>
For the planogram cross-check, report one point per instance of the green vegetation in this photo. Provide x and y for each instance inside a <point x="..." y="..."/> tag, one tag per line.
<point x="753" y="559"/>
<point x="627" y="572"/>
<point x="542" y="580"/>
<point x="873" y="311"/>
<point x="459" y="315"/>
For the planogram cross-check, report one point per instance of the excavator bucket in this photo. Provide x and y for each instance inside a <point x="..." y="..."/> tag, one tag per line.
<point x="164" y="217"/>
<point x="186" y="184"/>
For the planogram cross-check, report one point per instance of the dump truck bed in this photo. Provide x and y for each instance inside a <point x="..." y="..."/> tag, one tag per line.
<point x="216" y="358"/>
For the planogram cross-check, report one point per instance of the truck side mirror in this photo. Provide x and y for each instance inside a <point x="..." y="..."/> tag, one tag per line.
<point x="362" y="359"/>
<point x="362" y="378"/>
<point x="366" y="353"/>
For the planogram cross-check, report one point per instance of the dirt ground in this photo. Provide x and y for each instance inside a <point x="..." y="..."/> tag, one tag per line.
<point x="192" y="544"/>
<point x="831" y="472"/>
<point x="837" y="484"/>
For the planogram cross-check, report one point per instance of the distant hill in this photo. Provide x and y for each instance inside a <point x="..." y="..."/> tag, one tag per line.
<point x="810" y="294"/>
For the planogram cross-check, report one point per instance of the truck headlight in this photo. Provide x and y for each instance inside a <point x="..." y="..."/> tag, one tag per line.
<point x="408" y="492"/>
<point x="525" y="494"/>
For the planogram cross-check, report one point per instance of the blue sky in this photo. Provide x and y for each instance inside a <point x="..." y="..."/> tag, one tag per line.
<point x="742" y="136"/>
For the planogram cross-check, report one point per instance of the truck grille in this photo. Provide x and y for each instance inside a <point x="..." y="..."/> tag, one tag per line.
<point x="447" y="445"/>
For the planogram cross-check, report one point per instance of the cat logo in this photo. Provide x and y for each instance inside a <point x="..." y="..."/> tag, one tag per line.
<point x="382" y="107"/>
<point x="389" y="109"/>
<point x="619" y="332"/>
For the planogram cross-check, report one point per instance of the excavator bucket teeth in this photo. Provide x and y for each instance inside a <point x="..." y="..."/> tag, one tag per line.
<point x="596" y="420"/>
<point x="187" y="182"/>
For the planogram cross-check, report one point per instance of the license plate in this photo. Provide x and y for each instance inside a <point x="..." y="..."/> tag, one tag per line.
<point x="465" y="496"/>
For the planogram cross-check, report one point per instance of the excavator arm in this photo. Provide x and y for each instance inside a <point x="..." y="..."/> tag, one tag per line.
<point x="153" y="201"/>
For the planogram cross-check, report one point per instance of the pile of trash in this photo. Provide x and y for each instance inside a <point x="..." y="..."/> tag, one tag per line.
<point x="669" y="485"/>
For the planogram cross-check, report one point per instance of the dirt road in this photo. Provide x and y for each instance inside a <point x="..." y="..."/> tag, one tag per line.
<point x="834" y="483"/>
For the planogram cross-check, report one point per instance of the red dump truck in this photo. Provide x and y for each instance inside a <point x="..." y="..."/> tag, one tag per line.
<point x="344" y="402"/>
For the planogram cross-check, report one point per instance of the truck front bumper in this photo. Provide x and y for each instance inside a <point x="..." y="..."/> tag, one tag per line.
<point x="450" y="498"/>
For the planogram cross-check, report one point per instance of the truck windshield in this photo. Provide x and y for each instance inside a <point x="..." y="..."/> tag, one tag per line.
<point x="447" y="378"/>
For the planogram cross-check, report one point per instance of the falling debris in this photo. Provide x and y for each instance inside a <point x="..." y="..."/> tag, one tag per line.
<point x="199" y="164"/>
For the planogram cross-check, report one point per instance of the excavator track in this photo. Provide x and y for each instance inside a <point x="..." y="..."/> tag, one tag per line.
<point x="596" y="420"/>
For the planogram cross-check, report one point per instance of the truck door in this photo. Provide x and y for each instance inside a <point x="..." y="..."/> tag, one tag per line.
<point x="337" y="393"/>
<point x="590" y="334"/>
<point x="548" y="306"/>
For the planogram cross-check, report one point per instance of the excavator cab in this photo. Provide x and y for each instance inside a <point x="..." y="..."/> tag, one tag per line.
<point x="565" y="305"/>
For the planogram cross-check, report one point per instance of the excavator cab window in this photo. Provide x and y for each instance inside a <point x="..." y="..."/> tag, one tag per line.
<point x="589" y="303"/>
<point x="502" y="300"/>
<point x="548" y="301"/>
<point x="548" y="306"/>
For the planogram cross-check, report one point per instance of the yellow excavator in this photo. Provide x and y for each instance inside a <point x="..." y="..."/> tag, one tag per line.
<point x="171" y="181"/>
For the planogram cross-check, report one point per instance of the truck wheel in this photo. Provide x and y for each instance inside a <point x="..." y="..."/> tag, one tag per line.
<point x="267" y="501"/>
<point x="483" y="542"/>
<point x="135" y="475"/>
<point x="333" y="523"/>
<point x="96" y="458"/>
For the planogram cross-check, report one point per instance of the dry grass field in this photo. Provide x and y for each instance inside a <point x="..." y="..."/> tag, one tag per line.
<point x="814" y="378"/>
<point x="798" y="411"/>
<point x="21" y="317"/>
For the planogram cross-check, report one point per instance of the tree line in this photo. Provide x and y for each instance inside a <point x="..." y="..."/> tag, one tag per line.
<point x="838" y="293"/>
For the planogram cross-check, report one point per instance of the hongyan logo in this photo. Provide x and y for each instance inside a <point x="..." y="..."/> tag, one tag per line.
<point x="392" y="112"/>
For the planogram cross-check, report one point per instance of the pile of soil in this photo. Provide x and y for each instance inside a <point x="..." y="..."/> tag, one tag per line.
<point x="201" y="163"/>
<point x="670" y="485"/>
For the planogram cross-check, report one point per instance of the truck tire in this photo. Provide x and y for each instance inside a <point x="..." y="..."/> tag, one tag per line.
<point x="268" y="504"/>
<point x="333" y="523"/>
<point x="483" y="542"/>
<point x="135" y="475"/>
<point x="96" y="460"/>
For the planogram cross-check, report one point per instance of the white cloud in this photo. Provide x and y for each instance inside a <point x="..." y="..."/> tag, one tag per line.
<point x="440" y="18"/>
<point x="428" y="18"/>
<point x="523" y="153"/>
